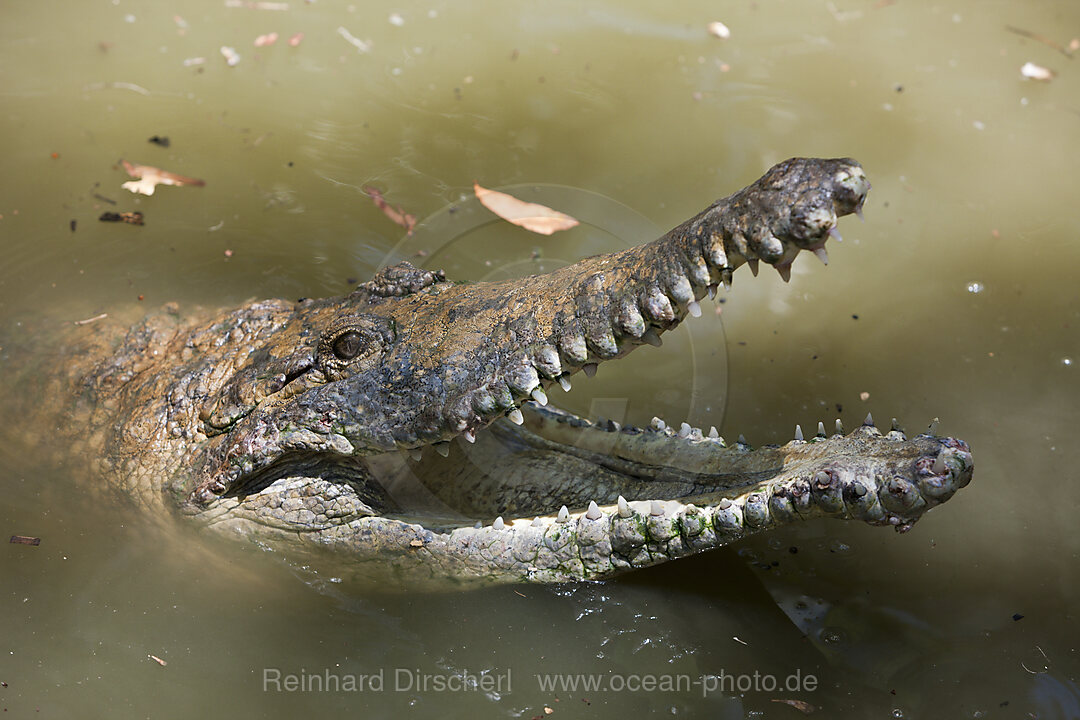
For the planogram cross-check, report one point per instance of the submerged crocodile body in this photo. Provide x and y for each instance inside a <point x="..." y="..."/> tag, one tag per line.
<point x="301" y="424"/>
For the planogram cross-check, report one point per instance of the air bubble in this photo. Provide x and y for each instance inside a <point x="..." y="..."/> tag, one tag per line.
<point x="975" y="287"/>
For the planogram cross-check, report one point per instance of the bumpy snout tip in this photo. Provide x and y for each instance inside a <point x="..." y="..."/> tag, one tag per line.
<point x="851" y="187"/>
<point x="940" y="476"/>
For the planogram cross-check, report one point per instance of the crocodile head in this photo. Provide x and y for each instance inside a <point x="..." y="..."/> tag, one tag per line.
<point x="318" y="431"/>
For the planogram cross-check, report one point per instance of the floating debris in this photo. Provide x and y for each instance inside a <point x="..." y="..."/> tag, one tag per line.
<point x="1037" y="72"/>
<point x="87" y="321"/>
<point x="150" y="177"/>
<point x="531" y="216"/>
<point x="719" y="29"/>
<point x="360" y="45"/>
<point x="231" y="56"/>
<point x="398" y="215"/>
<point x="131" y="218"/>
<point x="25" y="540"/>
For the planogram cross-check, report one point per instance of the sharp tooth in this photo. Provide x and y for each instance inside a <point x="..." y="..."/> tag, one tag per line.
<point x="537" y="522"/>
<point x="939" y="464"/>
<point x="822" y="255"/>
<point x="869" y="421"/>
<point x="895" y="424"/>
<point x="593" y="513"/>
<point x="564" y="383"/>
<point x="725" y="276"/>
<point x="753" y="263"/>
<point x="478" y="525"/>
<point x="539" y="396"/>
<point x="515" y="416"/>
<point x="624" y="508"/>
<point x="652" y="338"/>
<point x="684" y="430"/>
<point x="742" y="440"/>
<point x="498" y="524"/>
<point x="589" y="368"/>
<point x="656" y="509"/>
<point x="415" y="454"/>
<point x="798" y="434"/>
<point x="712" y="291"/>
<point x="442" y="448"/>
<point x="713" y="432"/>
<point x="858" y="209"/>
<point x="658" y="424"/>
<point x="834" y="233"/>
<point x="564" y="515"/>
<point x="822" y="479"/>
<point x="839" y="427"/>
<point x="468" y="435"/>
<point x="821" y="429"/>
<point x="785" y="272"/>
<point x="932" y="429"/>
<point x="693" y="308"/>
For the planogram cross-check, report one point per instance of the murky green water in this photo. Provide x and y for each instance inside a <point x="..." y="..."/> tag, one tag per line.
<point x="962" y="281"/>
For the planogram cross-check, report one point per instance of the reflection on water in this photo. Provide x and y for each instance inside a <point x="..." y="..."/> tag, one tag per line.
<point x="969" y="615"/>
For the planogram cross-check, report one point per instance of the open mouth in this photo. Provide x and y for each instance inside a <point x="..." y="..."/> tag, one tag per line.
<point x="538" y="498"/>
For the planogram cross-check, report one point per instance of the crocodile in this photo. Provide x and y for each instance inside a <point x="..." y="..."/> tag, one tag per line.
<point x="405" y="426"/>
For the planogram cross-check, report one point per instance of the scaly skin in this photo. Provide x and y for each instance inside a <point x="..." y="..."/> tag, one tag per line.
<point x="284" y="421"/>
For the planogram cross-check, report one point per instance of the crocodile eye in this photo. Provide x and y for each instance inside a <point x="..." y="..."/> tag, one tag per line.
<point x="348" y="345"/>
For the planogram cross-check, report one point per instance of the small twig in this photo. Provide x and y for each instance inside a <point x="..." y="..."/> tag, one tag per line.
<point x="87" y="321"/>
<point x="1040" y="38"/>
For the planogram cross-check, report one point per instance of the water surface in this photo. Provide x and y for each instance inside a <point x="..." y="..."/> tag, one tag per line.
<point x="956" y="299"/>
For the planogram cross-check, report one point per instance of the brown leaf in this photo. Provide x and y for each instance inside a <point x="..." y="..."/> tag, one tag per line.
<point x="531" y="216"/>
<point x="150" y="177"/>
<point x="398" y="215"/>
<point x="800" y="705"/>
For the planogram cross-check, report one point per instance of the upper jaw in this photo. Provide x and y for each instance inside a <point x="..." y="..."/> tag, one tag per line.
<point x="439" y="360"/>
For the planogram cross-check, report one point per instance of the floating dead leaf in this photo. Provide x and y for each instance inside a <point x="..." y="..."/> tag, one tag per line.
<point x="150" y="177"/>
<point x="25" y="540"/>
<point x="531" y="216"/>
<point x="398" y="215"/>
<point x="132" y="218"/>
<point x="265" y="40"/>
<point x="296" y="39"/>
<point x="800" y="705"/>
<point x="158" y="660"/>
<point x="1037" y="72"/>
<point x="864" y="396"/>
<point x="719" y="29"/>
